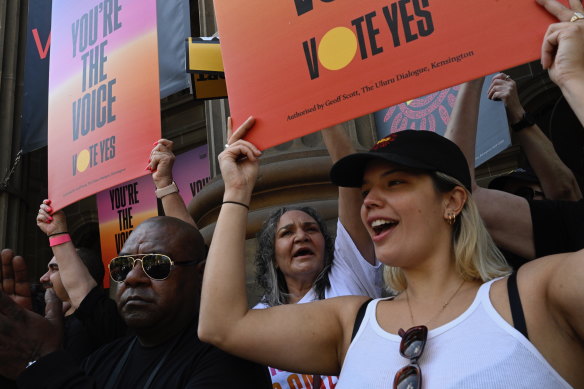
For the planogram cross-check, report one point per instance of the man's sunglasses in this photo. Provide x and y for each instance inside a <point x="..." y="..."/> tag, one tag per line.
<point x="411" y="347"/>
<point x="156" y="266"/>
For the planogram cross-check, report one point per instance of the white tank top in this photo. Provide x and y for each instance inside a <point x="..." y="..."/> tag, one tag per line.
<point x="478" y="349"/>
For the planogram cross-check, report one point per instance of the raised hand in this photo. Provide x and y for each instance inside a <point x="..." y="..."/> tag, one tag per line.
<point x="24" y="337"/>
<point x="50" y="222"/>
<point x="161" y="163"/>
<point x="504" y="88"/>
<point x="562" y="51"/>
<point x="563" y="13"/>
<point x="14" y="280"/>
<point x="239" y="163"/>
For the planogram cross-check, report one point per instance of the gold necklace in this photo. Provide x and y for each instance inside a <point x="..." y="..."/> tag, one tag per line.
<point x="439" y="312"/>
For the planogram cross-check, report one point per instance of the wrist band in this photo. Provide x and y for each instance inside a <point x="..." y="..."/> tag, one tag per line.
<point x="236" y="202"/>
<point x="172" y="188"/>
<point x="57" y="233"/>
<point x="57" y="240"/>
<point x="527" y="120"/>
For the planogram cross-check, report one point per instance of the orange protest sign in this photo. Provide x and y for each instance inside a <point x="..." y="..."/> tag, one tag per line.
<point x="302" y="65"/>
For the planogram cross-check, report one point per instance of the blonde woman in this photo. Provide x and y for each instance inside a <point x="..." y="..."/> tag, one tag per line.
<point x="458" y="321"/>
<point x="425" y="227"/>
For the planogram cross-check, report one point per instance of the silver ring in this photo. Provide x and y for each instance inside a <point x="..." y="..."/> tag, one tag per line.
<point x="226" y="145"/>
<point x="577" y="16"/>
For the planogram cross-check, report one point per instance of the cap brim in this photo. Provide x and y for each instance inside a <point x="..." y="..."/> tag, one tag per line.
<point x="348" y="171"/>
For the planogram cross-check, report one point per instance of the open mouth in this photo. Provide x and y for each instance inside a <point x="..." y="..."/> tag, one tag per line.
<point x="303" y="252"/>
<point x="379" y="226"/>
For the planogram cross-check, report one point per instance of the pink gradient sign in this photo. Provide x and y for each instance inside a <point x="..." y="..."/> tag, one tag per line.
<point x="191" y="172"/>
<point x="120" y="209"/>
<point x="104" y="97"/>
<point x="123" y="207"/>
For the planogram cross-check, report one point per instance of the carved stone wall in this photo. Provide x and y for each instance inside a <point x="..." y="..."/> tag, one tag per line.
<point x="296" y="172"/>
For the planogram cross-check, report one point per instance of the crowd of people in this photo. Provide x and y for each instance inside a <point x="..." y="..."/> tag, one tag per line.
<point x="430" y="281"/>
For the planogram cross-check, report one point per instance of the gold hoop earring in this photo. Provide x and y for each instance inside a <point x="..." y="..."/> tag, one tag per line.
<point x="451" y="218"/>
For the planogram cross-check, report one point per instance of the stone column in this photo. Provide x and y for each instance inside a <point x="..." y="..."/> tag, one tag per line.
<point x="13" y="15"/>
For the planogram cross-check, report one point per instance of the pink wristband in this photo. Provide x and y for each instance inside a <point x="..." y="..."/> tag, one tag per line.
<point x="59" y="239"/>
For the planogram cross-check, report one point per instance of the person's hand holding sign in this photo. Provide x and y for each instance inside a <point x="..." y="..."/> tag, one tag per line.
<point x="161" y="163"/>
<point x="562" y="51"/>
<point x="239" y="165"/>
<point x="50" y="222"/>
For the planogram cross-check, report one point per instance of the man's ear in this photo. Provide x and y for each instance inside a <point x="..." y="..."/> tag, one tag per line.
<point x="454" y="201"/>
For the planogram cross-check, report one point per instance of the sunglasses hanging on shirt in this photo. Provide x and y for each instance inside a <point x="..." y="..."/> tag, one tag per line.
<point x="411" y="347"/>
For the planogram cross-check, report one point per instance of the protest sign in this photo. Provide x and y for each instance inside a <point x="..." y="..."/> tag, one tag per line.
<point x="432" y="113"/>
<point x="302" y="65"/>
<point x="191" y="172"/>
<point x="121" y="208"/>
<point x="104" y="97"/>
<point x="173" y="15"/>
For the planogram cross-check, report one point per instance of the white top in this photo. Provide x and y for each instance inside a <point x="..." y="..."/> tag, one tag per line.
<point x="478" y="349"/>
<point x="350" y="274"/>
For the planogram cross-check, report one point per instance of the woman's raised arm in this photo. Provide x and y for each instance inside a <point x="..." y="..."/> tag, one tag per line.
<point x="294" y="337"/>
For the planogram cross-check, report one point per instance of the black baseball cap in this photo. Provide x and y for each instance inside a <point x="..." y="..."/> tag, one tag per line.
<point x="424" y="150"/>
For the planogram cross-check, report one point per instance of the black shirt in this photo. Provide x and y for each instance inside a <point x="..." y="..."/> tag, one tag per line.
<point x="100" y="322"/>
<point x="558" y="226"/>
<point x="181" y="362"/>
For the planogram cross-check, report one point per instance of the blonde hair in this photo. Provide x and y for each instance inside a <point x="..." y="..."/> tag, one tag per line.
<point x="475" y="254"/>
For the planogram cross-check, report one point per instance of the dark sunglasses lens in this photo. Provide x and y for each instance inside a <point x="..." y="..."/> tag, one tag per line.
<point x="156" y="266"/>
<point x="408" y="377"/>
<point x="120" y="267"/>
<point x="413" y="342"/>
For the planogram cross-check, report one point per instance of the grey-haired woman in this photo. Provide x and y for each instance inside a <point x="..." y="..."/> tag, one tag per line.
<point x="298" y="260"/>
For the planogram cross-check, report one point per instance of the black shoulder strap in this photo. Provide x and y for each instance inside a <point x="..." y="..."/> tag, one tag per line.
<point x="359" y="318"/>
<point x="516" y="308"/>
<point x="114" y="378"/>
